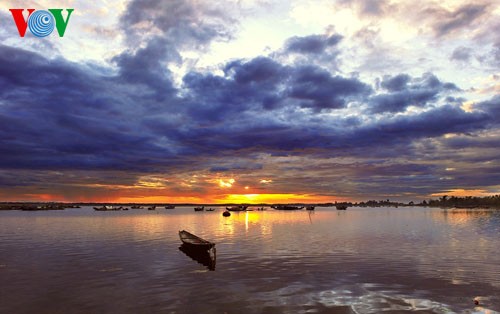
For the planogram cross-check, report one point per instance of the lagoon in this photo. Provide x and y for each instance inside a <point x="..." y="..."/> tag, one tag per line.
<point x="362" y="260"/>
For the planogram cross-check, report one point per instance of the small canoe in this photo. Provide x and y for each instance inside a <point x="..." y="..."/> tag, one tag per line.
<point x="194" y="241"/>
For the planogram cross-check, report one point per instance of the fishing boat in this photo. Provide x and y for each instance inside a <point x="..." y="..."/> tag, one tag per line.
<point x="238" y="208"/>
<point x="199" y="209"/>
<point x="193" y="241"/>
<point x="286" y="207"/>
<point x="341" y="207"/>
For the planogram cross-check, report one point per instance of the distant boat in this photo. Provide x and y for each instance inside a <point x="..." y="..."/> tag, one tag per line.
<point x="226" y="213"/>
<point x="341" y="207"/>
<point x="309" y="207"/>
<point x="261" y="208"/>
<point x="238" y="208"/>
<point x="286" y="207"/>
<point x="170" y="207"/>
<point x="107" y="208"/>
<point x="199" y="209"/>
<point x="152" y="207"/>
<point x="136" y="207"/>
<point x="209" y="209"/>
<point x="193" y="241"/>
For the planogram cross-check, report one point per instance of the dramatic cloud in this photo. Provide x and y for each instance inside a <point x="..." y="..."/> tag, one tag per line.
<point x="405" y="91"/>
<point x="346" y="115"/>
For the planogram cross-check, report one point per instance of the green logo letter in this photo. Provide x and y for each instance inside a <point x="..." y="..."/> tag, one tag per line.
<point x="60" y="23"/>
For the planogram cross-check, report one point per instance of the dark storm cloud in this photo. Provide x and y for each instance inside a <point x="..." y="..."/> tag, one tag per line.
<point x="432" y="123"/>
<point x="56" y="114"/>
<point x="317" y="89"/>
<point x="396" y="83"/>
<point x="404" y="91"/>
<point x="262" y="83"/>
<point x="492" y="107"/>
<point x="144" y="67"/>
<point x="313" y="44"/>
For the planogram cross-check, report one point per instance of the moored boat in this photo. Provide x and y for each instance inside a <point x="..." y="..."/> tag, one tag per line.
<point x="341" y="207"/>
<point x="169" y="206"/>
<point x="309" y="207"/>
<point x="199" y="209"/>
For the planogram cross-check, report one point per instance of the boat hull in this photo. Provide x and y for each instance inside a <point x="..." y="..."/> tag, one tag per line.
<point x="194" y="242"/>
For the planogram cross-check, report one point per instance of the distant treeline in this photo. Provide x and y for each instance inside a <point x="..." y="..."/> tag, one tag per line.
<point x="444" y="201"/>
<point x="465" y="202"/>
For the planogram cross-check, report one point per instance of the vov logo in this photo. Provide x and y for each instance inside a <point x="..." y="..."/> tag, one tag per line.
<point x="41" y="23"/>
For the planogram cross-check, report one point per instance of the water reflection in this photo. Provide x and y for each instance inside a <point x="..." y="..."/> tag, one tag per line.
<point x="205" y="257"/>
<point x="363" y="260"/>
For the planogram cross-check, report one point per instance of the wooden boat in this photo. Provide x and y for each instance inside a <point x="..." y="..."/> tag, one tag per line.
<point x="287" y="207"/>
<point x="199" y="209"/>
<point x="238" y="208"/>
<point x="341" y="207"/>
<point x="170" y="207"/>
<point x="194" y="241"/>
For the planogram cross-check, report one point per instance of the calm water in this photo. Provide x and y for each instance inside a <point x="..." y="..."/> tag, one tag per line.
<point x="362" y="260"/>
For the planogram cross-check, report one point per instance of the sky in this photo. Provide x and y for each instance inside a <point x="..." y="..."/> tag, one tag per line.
<point x="251" y="101"/>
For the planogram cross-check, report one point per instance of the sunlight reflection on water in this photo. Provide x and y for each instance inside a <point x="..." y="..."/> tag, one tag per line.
<point x="361" y="260"/>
